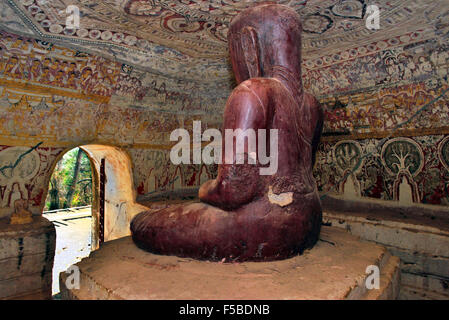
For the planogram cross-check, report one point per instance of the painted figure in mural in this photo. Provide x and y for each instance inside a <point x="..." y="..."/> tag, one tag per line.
<point x="35" y="70"/>
<point x="12" y="68"/>
<point x="245" y="216"/>
<point x="21" y="213"/>
<point x="45" y="76"/>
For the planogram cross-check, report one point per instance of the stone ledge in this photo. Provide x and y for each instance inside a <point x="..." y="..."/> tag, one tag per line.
<point x="333" y="269"/>
<point x="26" y="258"/>
<point x="27" y="285"/>
<point x="403" y="235"/>
<point x="423" y="250"/>
<point x="26" y="239"/>
<point x="425" y="215"/>
<point x="414" y="293"/>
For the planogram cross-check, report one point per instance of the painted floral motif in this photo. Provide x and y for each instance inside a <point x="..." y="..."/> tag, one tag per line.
<point x="413" y="163"/>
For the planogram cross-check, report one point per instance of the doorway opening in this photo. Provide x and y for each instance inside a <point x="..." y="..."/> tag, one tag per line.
<point x="90" y="200"/>
<point x="69" y="206"/>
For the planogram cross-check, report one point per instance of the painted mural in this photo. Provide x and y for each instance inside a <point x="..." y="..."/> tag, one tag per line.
<point x="41" y="64"/>
<point x="153" y="172"/>
<point x="24" y="178"/>
<point x="405" y="169"/>
<point x="385" y="119"/>
<point x="384" y="110"/>
<point x="187" y="39"/>
<point x="64" y="95"/>
<point x="75" y="74"/>
<point x="372" y="66"/>
<point x="380" y="91"/>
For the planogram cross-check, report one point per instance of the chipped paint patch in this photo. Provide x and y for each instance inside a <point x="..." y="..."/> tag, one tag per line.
<point x="282" y="199"/>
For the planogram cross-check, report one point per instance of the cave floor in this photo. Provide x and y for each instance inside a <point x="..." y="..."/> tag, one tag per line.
<point x="73" y="239"/>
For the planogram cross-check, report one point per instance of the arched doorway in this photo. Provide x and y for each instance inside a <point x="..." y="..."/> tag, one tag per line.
<point x="112" y="207"/>
<point x="68" y="207"/>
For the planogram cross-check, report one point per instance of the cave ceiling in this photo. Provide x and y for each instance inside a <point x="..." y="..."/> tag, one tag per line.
<point x="187" y="38"/>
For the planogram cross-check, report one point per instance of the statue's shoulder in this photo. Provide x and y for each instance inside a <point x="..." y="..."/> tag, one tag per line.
<point x="258" y="84"/>
<point x="259" y="87"/>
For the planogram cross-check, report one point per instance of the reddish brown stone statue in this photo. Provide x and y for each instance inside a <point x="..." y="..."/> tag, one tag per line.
<point x="244" y="215"/>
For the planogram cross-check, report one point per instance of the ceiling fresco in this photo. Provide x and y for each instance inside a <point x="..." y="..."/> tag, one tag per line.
<point x="187" y="38"/>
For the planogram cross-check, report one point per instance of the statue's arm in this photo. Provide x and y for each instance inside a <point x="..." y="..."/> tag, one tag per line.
<point x="236" y="184"/>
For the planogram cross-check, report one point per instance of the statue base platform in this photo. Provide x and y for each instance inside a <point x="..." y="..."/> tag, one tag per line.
<point x="334" y="269"/>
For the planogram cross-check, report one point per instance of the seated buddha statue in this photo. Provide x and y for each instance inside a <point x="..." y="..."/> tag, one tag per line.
<point x="243" y="215"/>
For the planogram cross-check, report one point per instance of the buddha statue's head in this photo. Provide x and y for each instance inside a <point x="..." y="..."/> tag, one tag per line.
<point x="263" y="37"/>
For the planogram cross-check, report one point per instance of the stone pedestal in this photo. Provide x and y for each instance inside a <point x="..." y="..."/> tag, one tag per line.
<point x="334" y="269"/>
<point x="26" y="259"/>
